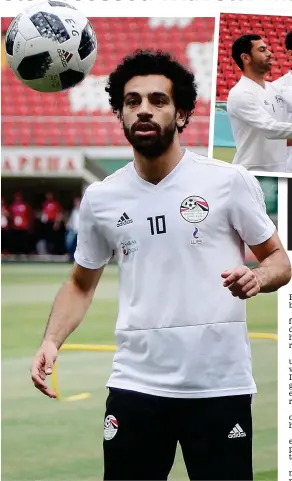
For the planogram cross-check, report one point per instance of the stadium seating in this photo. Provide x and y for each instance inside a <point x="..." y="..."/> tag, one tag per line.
<point x="272" y="29"/>
<point x="82" y="115"/>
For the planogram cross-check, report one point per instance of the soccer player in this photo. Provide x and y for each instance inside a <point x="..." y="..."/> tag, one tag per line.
<point x="284" y="84"/>
<point x="72" y="228"/>
<point x="257" y="112"/>
<point x="177" y="223"/>
<point x="21" y="225"/>
<point x="51" y="217"/>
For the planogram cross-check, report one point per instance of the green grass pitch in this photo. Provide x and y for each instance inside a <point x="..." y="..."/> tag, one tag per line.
<point x="44" y="439"/>
<point x="224" y="153"/>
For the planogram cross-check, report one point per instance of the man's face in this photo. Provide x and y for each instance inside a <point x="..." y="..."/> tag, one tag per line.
<point x="260" y="58"/>
<point x="149" y="117"/>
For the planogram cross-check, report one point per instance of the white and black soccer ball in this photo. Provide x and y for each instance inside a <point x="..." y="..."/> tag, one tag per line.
<point x="51" y="46"/>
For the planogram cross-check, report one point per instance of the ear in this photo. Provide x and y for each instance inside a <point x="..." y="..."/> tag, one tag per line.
<point x="181" y="117"/>
<point x="245" y="57"/>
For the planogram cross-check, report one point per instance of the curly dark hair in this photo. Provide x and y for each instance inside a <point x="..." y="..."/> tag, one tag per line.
<point x="288" y="41"/>
<point x="149" y="62"/>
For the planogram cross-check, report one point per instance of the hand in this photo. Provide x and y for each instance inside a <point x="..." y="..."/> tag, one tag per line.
<point x="242" y="282"/>
<point x="42" y="366"/>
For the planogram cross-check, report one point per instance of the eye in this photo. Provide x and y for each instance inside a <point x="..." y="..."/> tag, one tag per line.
<point x="159" y="101"/>
<point x="131" y="102"/>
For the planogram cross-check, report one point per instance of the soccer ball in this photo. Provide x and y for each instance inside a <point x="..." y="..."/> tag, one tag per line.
<point x="50" y="46"/>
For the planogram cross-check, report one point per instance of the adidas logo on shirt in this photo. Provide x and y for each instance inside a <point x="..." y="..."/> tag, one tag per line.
<point x="124" y="220"/>
<point x="236" y="432"/>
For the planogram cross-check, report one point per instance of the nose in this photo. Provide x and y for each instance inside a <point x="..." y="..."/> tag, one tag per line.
<point x="144" y="110"/>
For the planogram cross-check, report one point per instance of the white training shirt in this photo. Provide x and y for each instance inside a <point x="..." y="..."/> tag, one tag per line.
<point x="284" y="84"/>
<point x="259" y="124"/>
<point x="73" y="221"/>
<point x="179" y="332"/>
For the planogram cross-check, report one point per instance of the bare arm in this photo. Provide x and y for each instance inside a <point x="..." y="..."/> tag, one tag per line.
<point x="69" y="308"/>
<point x="273" y="271"/>
<point x="71" y="304"/>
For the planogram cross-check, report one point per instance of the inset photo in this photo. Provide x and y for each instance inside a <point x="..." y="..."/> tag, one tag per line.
<point x="253" y="115"/>
<point x="289" y="220"/>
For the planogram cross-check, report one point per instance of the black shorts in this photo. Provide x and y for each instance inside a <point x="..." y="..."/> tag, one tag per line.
<point x="141" y="433"/>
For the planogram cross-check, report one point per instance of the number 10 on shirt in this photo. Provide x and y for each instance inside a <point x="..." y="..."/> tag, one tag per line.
<point x="157" y="224"/>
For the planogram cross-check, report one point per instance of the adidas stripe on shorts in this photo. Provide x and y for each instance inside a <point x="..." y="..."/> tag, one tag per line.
<point x="141" y="433"/>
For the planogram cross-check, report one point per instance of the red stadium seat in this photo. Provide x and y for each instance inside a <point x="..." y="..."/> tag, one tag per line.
<point x="286" y="66"/>
<point x="229" y="68"/>
<point x="255" y="24"/>
<point x="235" y="32"/>
<point x="245" y="25"/>
<point x="271" y="34"/>
<point x="275" y="48"/>
<point x="267" y="24"/>
<point x="222" y="52"/>
<point x="231" y="76"/>
<point x="117" y="37"/>
<point x="281" y="57"/>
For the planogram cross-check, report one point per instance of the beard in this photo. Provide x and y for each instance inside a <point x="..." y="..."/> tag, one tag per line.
<point x="261" y="67"/>
<point x="154" y="145"/>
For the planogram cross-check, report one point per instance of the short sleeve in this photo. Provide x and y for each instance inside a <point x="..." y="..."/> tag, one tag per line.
<point x="92" y="249"/>
<point x="248" y="209"/>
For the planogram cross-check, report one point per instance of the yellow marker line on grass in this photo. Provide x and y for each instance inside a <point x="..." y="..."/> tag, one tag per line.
<point x="77" y="397"/>
<point x="111" y="348"/>
<point x="263" y="335"/>
<point x="77" y="347"/>
<point x="88" y="347"/>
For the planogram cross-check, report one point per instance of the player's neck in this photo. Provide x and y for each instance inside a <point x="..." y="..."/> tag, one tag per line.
<point x="256" y="77"/>
<point x="155" y="169"/>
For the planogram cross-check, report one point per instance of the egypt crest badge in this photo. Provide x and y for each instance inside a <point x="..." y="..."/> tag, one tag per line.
<point x="194" y="209"/>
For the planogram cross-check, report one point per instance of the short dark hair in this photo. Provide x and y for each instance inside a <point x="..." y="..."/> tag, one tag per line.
<point x="149" y="62"/>
<point x="241" y="45"/>
<point x="288" y="41"/>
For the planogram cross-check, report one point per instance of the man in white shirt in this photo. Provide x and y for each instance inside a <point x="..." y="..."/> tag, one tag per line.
<point x="177" y="223"/>
<point x="72" y="228"/>
<point x="284" y="84"/>
<point x="257" y="111"/>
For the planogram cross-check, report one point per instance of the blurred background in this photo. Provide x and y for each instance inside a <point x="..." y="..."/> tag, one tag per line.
<point x="53" y="146"/>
